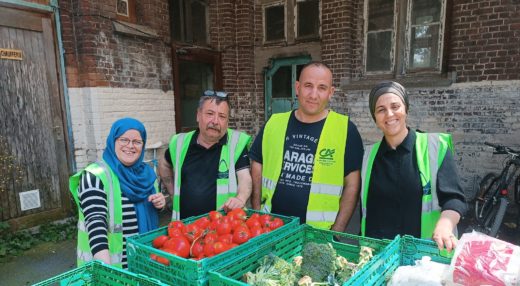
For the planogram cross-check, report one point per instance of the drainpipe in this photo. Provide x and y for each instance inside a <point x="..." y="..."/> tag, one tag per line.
<point x="56" y="9"/>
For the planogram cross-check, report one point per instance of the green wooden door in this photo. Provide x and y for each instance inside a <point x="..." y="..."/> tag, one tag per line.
<point x="280" y="78"/>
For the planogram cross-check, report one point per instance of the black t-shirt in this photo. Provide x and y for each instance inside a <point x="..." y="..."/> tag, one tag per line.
<point x="199" y="171"/>
<point x="395" y="193"/>
<point x="301" y="141"/>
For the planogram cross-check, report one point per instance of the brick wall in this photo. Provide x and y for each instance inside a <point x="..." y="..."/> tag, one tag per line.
<point x="96" y="55"/>
<point x="485" y="40"/>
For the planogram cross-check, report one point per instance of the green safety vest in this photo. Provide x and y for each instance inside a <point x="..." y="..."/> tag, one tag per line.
<point x="430" y="150"/>
<point x="226" y="185"/>
<point x="115" y="217"/>
<point x="327" y="176"/>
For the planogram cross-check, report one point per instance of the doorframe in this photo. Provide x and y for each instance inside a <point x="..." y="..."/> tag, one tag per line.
<point x="270" y="71"/>
<point x="193" y="54"/>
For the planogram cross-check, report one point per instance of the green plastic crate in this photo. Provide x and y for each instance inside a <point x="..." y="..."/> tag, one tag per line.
<point x="348" y="246"/>
<point x="183" y="271"/>
<point x="404" y="251"/>
<point x="96" y="273"/>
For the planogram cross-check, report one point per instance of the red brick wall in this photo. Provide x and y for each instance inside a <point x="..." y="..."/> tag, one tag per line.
<point x="97" y="56"/>
<point x="485" y="40"/>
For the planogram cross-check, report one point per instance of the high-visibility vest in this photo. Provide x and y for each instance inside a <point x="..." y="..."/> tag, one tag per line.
<point x="115" y="217"/>
<point x="328" y="169"/>
<point x="430" y="149"/>
<point x="226" y="185"/>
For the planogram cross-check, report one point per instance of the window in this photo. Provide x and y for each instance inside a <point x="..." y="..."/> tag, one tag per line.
<point x="308" y="18"/>
<point x="189" y="22"/>
<point x="274" y="22"/>
<point x="415" y="45"/>
<point x="125" y="10"/>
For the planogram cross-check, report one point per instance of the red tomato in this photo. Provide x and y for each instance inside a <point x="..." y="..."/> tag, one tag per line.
<point x="176" y="224"/>
<point x="211" y="237"/>
<point x="175" y="232"/>
<point x="209" y="250"/>
<point x="255" y="216"/>
<point x="223" y="227"/>
<point x="241" y="235"/>
<point x="178" y="246"/>
<point x="215" y="215"/>
<point x="226" y="238"/>
<point x="202" y="222"/>
<point x="276" y="223"/>
<point x="265" y="220"/>
<point x="192" y="232"/>
<point x="256" y="231"/>
<point x="197" y="248"/>
<point x="266" y="230"/>
<point x="253" y="222"/>
<point x="159" y="241"/>
<point x="163" y="260"/>
<point x="153" y="256"/>
<point x="238" y="214"/>
<point x="237" y="223"/>
<point x="219" y="247"/>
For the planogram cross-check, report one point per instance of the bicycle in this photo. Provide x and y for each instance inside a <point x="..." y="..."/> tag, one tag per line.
<point x="493" y="197"/>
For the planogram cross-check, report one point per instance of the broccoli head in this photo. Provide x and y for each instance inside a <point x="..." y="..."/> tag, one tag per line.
<point x="319" y="261"/>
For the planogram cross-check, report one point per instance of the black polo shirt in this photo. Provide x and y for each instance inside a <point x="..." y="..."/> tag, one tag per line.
<point x="395" y="192"/>
<point x="198" y="194"/>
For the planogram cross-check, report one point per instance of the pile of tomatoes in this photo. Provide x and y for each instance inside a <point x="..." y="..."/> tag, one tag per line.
<point x="213" y="234"/>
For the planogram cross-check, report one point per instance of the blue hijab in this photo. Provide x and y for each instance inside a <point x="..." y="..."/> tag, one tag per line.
<point x="137" y="181"/>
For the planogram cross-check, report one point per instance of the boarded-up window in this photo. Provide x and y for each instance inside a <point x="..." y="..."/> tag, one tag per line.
<point x="274" y="23"/>
<point x="308" y="18"/>
<point x="189" y="22"/>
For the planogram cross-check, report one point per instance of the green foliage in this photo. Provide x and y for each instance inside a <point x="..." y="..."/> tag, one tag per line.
<point x="14" y="243"/>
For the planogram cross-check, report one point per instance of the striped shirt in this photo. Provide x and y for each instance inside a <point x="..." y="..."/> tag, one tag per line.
<point x="93" y="202"/>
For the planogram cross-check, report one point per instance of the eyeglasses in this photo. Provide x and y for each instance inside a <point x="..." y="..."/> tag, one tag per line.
<point x="219" y="94"/>
<point x="125" y="141"/>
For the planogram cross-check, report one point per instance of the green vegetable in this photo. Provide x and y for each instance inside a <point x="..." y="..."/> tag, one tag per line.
<point x="319" y="261"/>
<point x="273" y="271"/>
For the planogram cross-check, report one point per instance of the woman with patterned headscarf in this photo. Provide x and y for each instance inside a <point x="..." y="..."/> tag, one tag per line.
<point x="116" y="196"/>
<point x="409" y="179"/>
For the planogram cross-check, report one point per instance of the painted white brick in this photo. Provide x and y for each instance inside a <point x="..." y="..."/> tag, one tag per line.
<point x="93" y="110"/>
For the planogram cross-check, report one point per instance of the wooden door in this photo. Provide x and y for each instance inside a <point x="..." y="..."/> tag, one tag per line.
<point x="194" y="70"/>
<point x="32" y="141"/>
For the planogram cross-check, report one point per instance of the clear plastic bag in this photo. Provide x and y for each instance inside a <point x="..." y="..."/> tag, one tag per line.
<point x="483" y="260"/>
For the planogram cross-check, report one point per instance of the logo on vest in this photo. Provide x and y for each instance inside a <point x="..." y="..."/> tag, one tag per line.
<point x="326" y="156"/>
<point x="223" y="170"/>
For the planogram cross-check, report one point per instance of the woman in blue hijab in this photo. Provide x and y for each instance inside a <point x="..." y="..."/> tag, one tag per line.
<point x="117" y="197"/>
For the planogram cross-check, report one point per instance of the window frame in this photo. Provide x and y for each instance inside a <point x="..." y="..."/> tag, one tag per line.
<point x="401" y="42"/>
<point x="264" y="27"/>
<point x="131" y="17"/>
<point x="296" y="27"/>
<point x="186" y="29"/>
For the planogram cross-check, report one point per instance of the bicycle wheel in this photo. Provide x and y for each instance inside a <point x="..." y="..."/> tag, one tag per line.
<point x="487" y="186"/>
<point x="496" y="216"/>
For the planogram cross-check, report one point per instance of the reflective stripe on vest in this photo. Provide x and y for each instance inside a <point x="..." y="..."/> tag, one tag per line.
<point x="430" y="149"/>
<point x="226" y="186"/>
<point x="115" y="216"/>
<point x="328" y="166"/>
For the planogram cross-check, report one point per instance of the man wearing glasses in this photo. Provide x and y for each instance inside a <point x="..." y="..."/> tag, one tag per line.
<point x="207" y="169"/>
<point x="306" y="163"/>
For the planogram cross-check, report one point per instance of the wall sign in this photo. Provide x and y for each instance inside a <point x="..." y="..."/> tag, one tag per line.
<point x="10" y="54"/>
